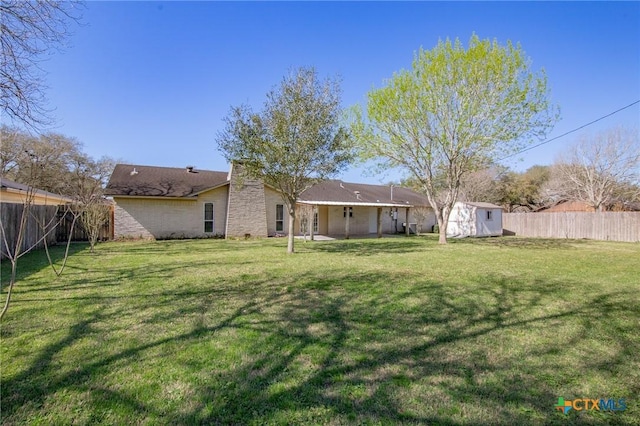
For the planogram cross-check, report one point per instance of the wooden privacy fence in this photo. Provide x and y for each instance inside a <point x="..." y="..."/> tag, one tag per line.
<point x="58" y="216"/>
<point x="65" y="220"/>
<point x="11" y="214"/>
<point x="606" y="226"/>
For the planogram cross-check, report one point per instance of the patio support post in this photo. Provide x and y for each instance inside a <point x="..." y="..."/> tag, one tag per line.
<point x="313" y="216"/>
<point x="406" y="228"/>
<point x="379" y="222"/>
<point x="346" y="223"/>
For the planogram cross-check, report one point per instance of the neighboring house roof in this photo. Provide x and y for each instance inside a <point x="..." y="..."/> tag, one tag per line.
<point x="581" y="206"/>
<point x="568" y="206"/>
<point x="21" y="189"/>
<point x="151" y="181"/>
<point x="481" y="205"/>
<point x="336" y="192"/>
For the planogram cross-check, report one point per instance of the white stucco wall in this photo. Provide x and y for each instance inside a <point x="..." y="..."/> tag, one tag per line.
<point x="470" y="221"/>
<point x="488" y="227"/>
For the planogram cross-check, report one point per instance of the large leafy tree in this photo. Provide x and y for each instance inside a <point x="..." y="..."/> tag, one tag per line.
<point x="452" y="113"/>
<point x="526" y="191"/>
<point x="296" y="140"/>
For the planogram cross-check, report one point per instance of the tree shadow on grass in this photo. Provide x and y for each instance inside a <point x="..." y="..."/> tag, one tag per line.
<point x="519" y="242"/>
<point x="369" y="247"/>
<point x="325" y="349"/>
<point x="36" y="260"/>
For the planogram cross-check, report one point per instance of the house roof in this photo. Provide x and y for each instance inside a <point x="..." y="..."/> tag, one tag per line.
<point x="338" y="192"/>
<point x="481" y="205"/>
<point x="9" y="185"/>
<point x="151" y="181"/>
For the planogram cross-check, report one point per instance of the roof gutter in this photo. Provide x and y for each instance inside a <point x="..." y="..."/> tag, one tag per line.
<point x="348" y="203"/>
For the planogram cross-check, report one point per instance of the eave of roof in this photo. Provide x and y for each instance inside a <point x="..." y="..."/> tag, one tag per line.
<point x="154" y="197"/>
<point x="481" y="205"/>
<point x="354" y="204"/>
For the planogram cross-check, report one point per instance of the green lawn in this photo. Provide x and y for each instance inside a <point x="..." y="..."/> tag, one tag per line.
<point x="391" y="331"/>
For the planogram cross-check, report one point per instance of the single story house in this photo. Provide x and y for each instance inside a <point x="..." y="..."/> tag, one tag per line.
<point x="14" y="192"/>
<point x="163" y="202"/>
<point x="475" y="219"/>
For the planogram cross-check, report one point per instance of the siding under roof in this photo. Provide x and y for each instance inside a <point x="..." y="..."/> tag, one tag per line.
<point x="19" y="187"/>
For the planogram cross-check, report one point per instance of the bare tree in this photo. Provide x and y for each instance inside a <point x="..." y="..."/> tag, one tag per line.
<point x="13" y="250"/>
<point x="601" y="169"/>
<point x="28" y="31"/>
<point x="481" y="185"/>
<point x="53" y="153"/>
<point x="55" y="163"/>
<point x="88" y="179"/>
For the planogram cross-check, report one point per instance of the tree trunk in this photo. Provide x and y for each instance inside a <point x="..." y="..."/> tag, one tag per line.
<point x="292" y="227"/>
<point x="442" y="225"/>
<point x="442" y="239"/>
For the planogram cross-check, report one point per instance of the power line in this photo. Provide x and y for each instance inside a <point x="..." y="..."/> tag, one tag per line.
<point x="570" y="131"/>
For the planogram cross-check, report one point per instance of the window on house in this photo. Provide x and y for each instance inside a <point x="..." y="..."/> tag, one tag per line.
<point x="208" y="217"/>
<point x="315" y="222"/>
<point x="344" y="212"/>
<point x="489" y="215"/>
<point x="279" y="217"/>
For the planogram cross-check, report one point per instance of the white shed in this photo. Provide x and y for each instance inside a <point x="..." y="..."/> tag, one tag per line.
<point x="472" y="219"/>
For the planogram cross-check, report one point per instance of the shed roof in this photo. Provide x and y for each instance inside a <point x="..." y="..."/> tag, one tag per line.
<point x="481" y="205"/>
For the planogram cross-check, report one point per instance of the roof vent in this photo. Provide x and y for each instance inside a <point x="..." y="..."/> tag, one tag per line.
<point x="357" y="194"/>
<point x="190" y="169"/>
<point x="134" y="172"/>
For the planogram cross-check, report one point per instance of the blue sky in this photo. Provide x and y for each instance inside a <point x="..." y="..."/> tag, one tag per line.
<point x="150" y="82"/>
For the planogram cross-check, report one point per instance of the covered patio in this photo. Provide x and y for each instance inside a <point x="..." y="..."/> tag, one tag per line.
<point x="342" y="210"/>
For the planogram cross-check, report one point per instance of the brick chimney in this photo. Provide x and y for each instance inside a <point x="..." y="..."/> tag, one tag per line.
<point x="246" y="207"/>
